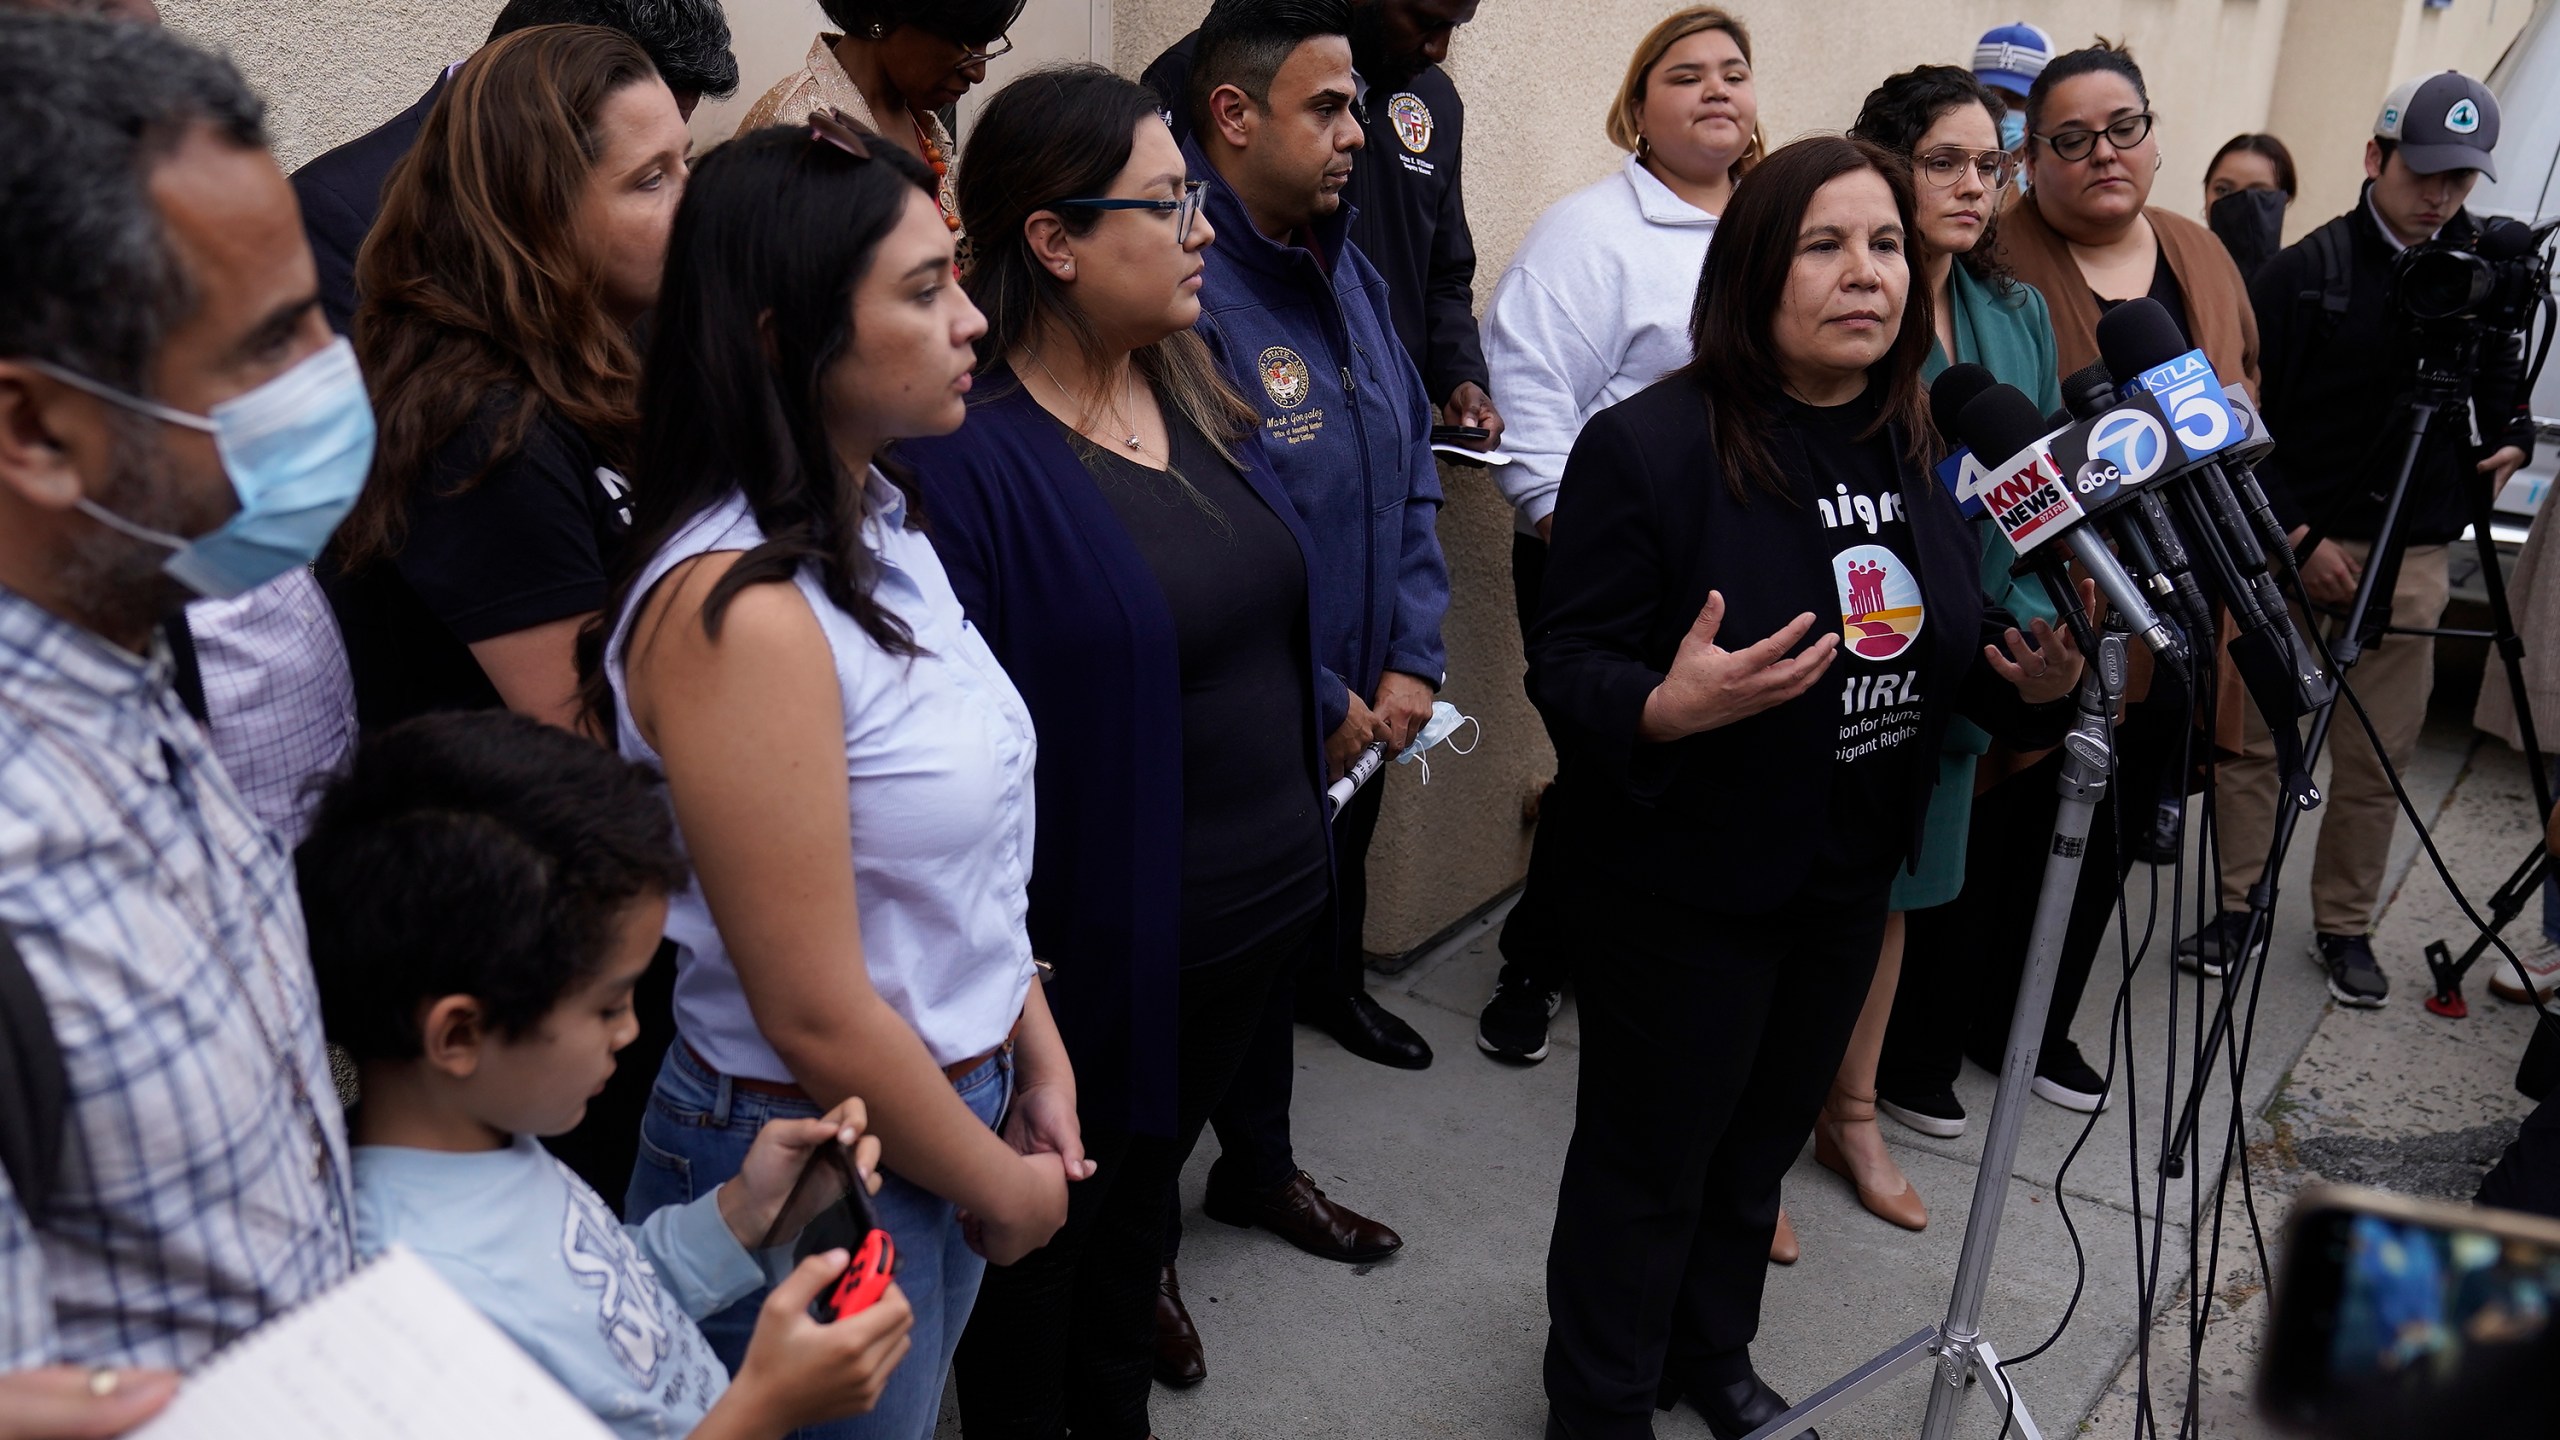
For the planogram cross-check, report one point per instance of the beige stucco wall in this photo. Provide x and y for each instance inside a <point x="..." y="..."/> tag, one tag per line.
<point x="333" y="69"/>
<point x="1537" y="74"/>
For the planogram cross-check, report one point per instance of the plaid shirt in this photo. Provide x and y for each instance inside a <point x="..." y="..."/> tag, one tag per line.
<point x="280" y="701"/>
<point x="203" y="1179"/>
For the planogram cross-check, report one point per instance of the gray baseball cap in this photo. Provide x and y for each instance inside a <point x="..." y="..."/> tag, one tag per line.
<point x="2443" y="122"/>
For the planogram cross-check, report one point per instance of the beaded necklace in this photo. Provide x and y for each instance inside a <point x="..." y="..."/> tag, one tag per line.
<point x="941" y="167"/>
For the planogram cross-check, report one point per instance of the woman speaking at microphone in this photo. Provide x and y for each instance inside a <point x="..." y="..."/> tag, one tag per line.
<point x="1752" y="793"/>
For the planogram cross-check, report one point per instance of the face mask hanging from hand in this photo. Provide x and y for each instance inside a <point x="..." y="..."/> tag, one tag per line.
<point x="296" y="450"/>
<point x="1443" y="723"/>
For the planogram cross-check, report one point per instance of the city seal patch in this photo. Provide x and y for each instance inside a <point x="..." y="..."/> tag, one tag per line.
<point x="1412" y="120"/>
<point x="1284" y="377"/>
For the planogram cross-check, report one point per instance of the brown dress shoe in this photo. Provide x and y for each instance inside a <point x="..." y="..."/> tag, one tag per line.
<point x="1179" y="1358"/>
<point x="1299" y="1213"/>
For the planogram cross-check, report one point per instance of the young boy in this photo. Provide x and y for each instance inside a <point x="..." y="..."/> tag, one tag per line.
<point x="483" y="892"/>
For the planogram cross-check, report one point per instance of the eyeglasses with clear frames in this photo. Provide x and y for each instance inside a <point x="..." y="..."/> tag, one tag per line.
<point x="2124" y="134"/>
<point x="1946" y="165"/>
<point x="1184" y="210"/>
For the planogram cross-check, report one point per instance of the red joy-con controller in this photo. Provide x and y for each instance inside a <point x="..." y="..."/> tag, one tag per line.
<point x="864" y="1281"/>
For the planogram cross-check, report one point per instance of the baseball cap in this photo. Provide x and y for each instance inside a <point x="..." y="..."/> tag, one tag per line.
<point x="2443" y="122"/>
<point x="2012" y="56"/>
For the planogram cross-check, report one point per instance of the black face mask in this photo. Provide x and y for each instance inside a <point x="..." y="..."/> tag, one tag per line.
<point x="2250" y="224"/>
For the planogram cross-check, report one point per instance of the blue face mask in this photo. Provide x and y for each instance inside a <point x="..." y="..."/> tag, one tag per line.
<point x="2013" y="131"/>
<point x="1443" y="723"/>
<point x="296" y="450"/>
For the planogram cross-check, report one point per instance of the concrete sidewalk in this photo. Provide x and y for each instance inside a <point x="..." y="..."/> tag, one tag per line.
<point x="1445" y="1338"/>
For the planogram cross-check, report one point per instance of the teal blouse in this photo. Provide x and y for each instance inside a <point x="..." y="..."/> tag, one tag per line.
<point x="2009" y="334"/>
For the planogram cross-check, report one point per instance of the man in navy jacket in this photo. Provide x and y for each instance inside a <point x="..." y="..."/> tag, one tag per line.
<point x="1408" y="203"/>
<point x="1302" y="320"/>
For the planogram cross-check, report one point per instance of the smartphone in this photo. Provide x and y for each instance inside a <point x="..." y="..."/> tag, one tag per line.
<point x="1459" y="435"/>
<point x="829" y="1209"/>
<point x="2406" y="1318"/>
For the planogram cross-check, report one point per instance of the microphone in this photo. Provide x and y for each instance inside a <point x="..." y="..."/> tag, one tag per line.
<point x="1956" y="387"/>
<point x="2142" y="342"/>
<point x="2033" y="505"/>
<point x="2143" y="346"/>
<point x="2145" y="538"/>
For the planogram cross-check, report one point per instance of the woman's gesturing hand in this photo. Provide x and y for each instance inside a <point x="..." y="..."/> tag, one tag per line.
<point x="2048" y="669"/>
<point x="1710" y="686"/>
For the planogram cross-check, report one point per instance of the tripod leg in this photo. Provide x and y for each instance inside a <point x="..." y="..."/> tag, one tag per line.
<point x="2509" y="645"/>
<point x="1987" y="1365"/>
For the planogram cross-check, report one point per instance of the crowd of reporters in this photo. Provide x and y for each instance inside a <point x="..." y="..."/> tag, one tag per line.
<point x="724" y="556"/>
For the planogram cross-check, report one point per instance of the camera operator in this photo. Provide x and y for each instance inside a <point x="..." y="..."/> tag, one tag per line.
<point x="2341" y="362"/>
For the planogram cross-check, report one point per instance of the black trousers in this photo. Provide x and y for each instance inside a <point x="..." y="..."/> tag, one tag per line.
<point x="1254" y="1147"/>
<point x="1962" y="961"/>
<point x="1537" y="942"/>
<point x="1062" y="1342"/>
<point x="602" y="1147"/>
<point x="1708" y="1043"/>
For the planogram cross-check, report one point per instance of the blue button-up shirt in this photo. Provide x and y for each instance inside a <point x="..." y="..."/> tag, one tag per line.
<point x="202" y="1186"/>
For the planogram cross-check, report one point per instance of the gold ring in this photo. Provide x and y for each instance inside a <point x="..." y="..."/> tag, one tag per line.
<point x="103" y="1382"/>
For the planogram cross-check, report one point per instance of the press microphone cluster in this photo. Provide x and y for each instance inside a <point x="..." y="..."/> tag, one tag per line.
<point x="2043" y="507"/>
<point x="2219" y="500"/>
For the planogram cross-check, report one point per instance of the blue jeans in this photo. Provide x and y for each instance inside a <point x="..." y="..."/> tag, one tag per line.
<point x="695" y="1135"/>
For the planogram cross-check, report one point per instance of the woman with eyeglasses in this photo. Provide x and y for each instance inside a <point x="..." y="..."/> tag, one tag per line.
<point x="2087" y="237"/>
<point x="850" y="769"/>
<point x="894" y="68"/>
<point x="1111" y="525"/>
<point x="2088" y="240"/>
<point x="1947" y="124"/>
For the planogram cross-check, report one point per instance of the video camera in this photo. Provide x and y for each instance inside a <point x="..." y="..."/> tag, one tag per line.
<point x="2456" y="299"/>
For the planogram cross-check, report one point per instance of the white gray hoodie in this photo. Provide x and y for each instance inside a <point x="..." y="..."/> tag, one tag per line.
<point x="1594" y="308"/>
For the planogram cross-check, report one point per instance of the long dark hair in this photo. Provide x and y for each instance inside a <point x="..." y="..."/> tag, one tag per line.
<point x="2267" y="145"/>
<point x="774" y="234"/>
<point x="1901" y="110"/>
<point x="1060" y="132"/>
<point x="474" y="282"/>
<point x="1735" y="358"/>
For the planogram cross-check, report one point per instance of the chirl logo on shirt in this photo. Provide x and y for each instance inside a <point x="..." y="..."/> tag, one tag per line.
<point x="1880" y="607"/>
<point x="1284" y="377"/>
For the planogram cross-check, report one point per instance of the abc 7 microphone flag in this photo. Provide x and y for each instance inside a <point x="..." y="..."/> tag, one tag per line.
<point x="2170" y="417"/>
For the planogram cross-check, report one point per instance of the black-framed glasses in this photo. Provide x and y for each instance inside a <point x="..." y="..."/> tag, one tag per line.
<point x="970" y="56"/>
<point x="1946" y="165"/>
<point x="2124" y="134"/>
<point x="1184" y="210"/>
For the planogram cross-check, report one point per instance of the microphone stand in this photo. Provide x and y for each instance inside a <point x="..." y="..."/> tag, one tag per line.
<point x="1957" y="1344"/>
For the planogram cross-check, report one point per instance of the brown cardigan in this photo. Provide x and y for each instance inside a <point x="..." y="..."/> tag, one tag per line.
<point x="2222" y="323"/>
<point x="2226" y="329"/>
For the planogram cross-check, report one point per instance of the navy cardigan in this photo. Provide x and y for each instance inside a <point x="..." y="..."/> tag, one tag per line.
<point x="1051" y="578"/>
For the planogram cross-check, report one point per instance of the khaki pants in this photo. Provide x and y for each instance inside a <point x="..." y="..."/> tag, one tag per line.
<point x="2358" y="816"/>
